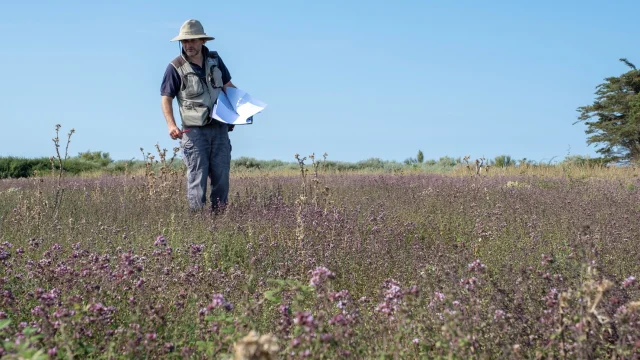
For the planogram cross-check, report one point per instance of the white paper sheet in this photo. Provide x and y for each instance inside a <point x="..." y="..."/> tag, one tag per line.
<point x="236" y="107"/>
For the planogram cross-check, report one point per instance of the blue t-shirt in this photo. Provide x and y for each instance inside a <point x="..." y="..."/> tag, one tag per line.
<point x="171" y="82"/>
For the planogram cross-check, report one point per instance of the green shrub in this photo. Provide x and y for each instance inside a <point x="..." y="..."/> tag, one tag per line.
<point x="447" y="161"/>
<point x="503" y="161"/>
<point x="14" y="167"/>
<point x="580" y="160"/>
<point x="98" y="157"/>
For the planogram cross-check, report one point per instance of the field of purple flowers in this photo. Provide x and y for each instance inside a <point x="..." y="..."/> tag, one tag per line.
<point x="333" y="266"/>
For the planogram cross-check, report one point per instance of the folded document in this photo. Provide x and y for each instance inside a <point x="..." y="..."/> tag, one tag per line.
<point x="236" y="107"/>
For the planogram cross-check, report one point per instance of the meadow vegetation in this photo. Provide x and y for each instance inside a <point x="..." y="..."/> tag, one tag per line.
<point x="520" y="261"/>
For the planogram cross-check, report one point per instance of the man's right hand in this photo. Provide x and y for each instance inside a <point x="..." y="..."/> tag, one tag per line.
<point x="175" y="133"/>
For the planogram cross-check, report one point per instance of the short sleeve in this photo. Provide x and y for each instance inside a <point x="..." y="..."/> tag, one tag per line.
<point x="171" y="82"/>
<point x="226" y="76"/>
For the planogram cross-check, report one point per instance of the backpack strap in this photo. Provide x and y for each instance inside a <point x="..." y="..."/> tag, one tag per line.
<point x="178" y="62"/>
<point x="214" y="55"/>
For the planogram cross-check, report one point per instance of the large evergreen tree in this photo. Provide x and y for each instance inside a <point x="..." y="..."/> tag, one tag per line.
<point x="613" y="120"/>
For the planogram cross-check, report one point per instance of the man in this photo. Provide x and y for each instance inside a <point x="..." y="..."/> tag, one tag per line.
<point x="195" y="78"/>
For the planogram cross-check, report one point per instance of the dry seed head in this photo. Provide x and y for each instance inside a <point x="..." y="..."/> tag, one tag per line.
<point x="634" y="305"/>
<point x="256" y="347"/>
<point x="564" y="299"/>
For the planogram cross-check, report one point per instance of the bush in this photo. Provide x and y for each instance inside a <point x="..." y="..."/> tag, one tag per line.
<point x="447" y="161"/>
<point x="98" y="157"/>
<point x="503" y="161"/>
<point x="339" y="166"/>
<point x="580" y="160"/>
<point x="246" y="162"/>
<point x="411" y="161"/>
<point x="14" y="167"/>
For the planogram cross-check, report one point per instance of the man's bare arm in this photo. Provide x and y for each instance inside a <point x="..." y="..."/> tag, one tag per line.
<point x="167" y="110"/>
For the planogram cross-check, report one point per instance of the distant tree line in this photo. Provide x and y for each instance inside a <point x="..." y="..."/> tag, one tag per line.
<point x="502" y="161"/>
<point x="101" y="162"/>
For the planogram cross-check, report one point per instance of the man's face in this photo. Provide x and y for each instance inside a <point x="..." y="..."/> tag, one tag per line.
<point x="192" y="47"/>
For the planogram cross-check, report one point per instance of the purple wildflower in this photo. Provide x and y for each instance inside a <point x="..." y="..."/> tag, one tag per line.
<point x="97" y="307"/>
<point x="393" y="296"/>
<point x="196" y="249"/>
<point x="320" y="275"/>
<point x="305" y="320"/>
<point x="552" y="297"/>
<point x="37" y="311"/>
<point x="326" y="338"/>
<point x="338" y="320"/>
<point x="477" y="266"/>
<point x="470" y="283"/>
<point x="4" y="255"/>
<point x="219" y="301"/>
<point x="160" y="241"/>
<point x="295" y="342"/>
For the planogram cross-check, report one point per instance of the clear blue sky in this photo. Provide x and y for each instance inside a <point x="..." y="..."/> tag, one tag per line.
<point x="355" y="79"/>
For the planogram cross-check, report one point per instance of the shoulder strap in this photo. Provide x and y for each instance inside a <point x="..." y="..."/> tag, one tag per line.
<point x="178" y="62"/>
<point x="214" y="55"/>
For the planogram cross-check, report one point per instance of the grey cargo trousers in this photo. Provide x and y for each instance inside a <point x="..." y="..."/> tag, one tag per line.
<point x="207" y="153"/>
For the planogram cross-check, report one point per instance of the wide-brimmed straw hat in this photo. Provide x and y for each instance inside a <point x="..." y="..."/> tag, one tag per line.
<point x="192" y="29"/>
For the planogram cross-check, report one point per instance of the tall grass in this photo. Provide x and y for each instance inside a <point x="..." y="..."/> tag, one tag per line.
<point x="321" y="264"/>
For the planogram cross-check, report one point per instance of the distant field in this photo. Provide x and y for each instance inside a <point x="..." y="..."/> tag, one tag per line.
<point x="520" y="262"/>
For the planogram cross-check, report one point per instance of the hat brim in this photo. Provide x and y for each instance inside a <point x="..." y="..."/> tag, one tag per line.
<point x="189" y="37"/>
